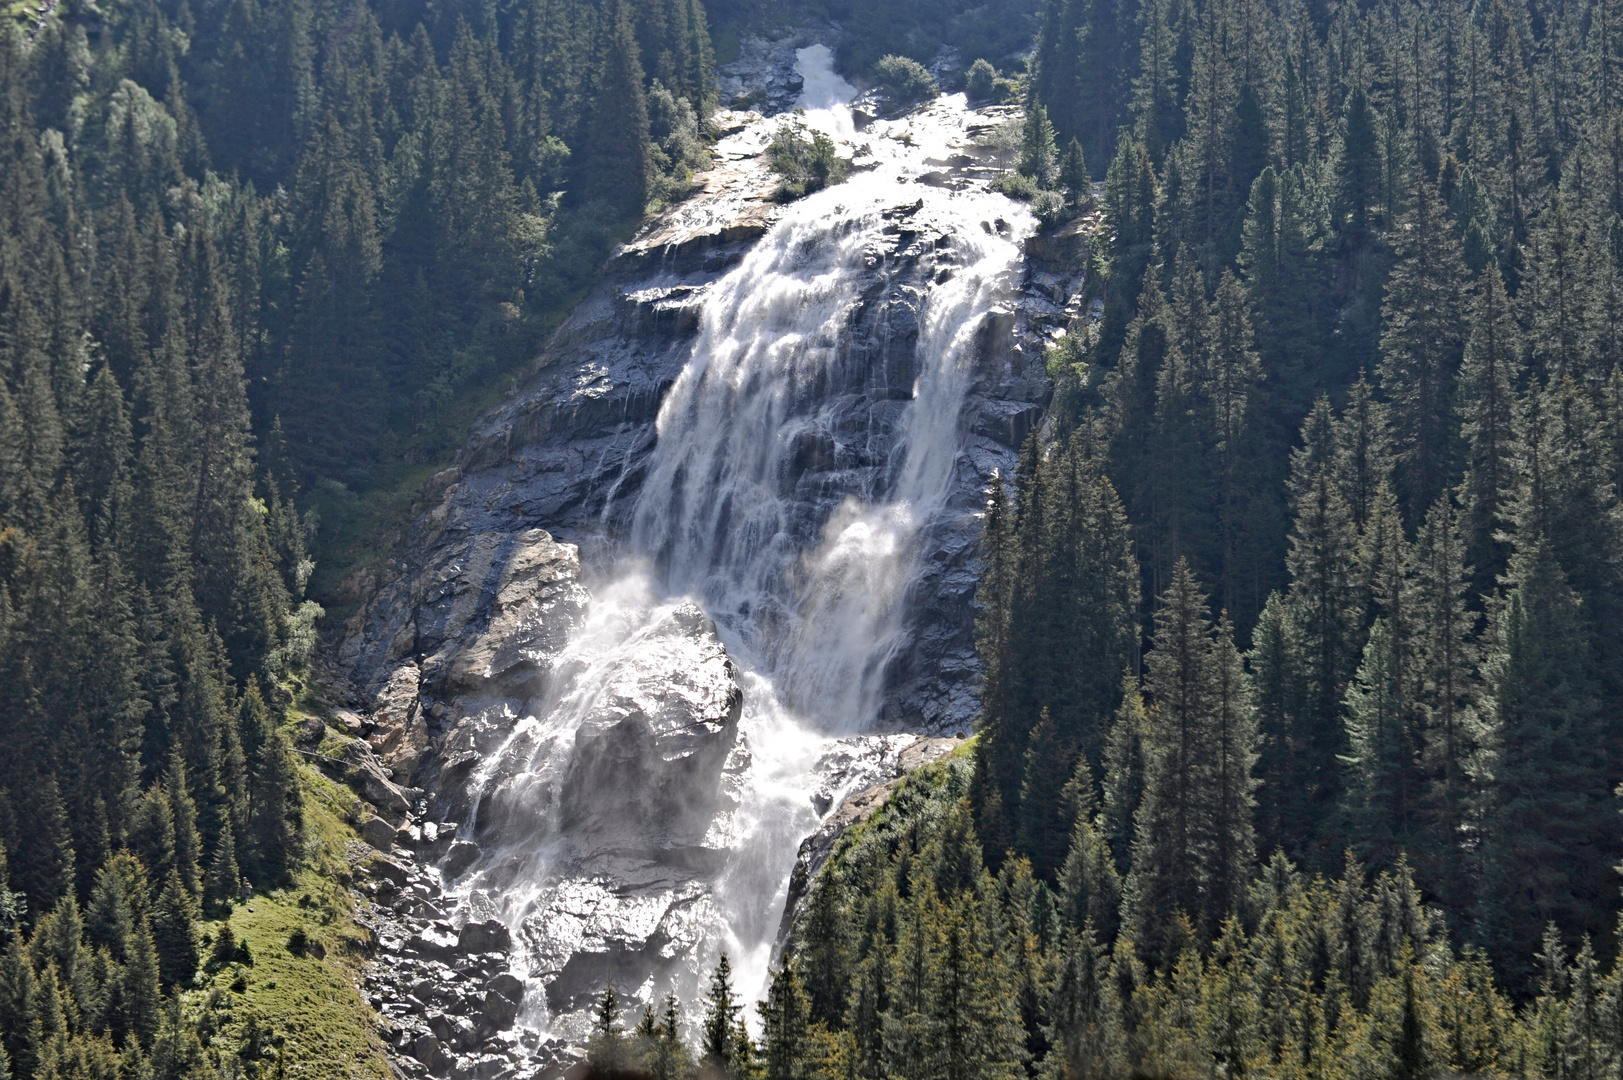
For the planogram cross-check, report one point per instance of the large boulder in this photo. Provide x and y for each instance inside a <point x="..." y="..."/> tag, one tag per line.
<point x="648" y="757"/>
<point x="400" y="738"/>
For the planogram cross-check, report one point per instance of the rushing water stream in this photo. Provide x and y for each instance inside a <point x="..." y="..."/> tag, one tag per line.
<point x="809" y="605"/>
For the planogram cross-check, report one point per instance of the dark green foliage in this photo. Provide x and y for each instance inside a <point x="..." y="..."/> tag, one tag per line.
<point x="1279" y="219"/>
<point x="1300" y="954"/>
<point x="1057" y="628"/>
<point x="174" y="932"/>
<point x="615" y="165"/>
<point x="1420" y="350"/>
<point x="824" y="959"/>
<point x="1193" y="842"/>
<point x="724" y="1043"/>
<point x="981" y="82"/>
<point x="246" y="253"/>
<point x="1551" y="809"/>
<point x="806" y="160"/>
<point x="905" y="78"/>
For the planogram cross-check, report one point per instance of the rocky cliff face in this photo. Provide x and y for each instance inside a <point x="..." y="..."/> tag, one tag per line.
<point x="568" y="745"/>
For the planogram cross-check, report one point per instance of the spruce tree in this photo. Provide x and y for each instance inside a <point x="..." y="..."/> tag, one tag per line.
<point x="1194" y="841"/>
<point x="1382" y="761"/>
<point x="1488" y="423"/>
<point x="1325" y="613"/>
<point x="975" y="1026"/>
<point x="1357" y="172"/>
<point x="1086" y="1028"/>
<point x="1039" y="152"/>
<point x="1275" y="663"/>
<point x="784" y="1019"/>
<point x="224" y="880"/>
<point x="1233" y="373"/>
<point x="1549" y="816"/>
<point x="719" y="1032"/>
<point x="139" y="997"/>
<point x="275" y="820"/>
<point x="1124" y="772"/>
<point x="43" y="868"/>
<point x="1421" y="340"/>
<point x="20" y="1026"/>
<point x="174" y="932"/>
<point x="1557" y="296"/>
<point x="615" y="163"/>
<point x="1089" y="885"/>
<point x="1446" y="656"/>
<point x="823" y="956"/>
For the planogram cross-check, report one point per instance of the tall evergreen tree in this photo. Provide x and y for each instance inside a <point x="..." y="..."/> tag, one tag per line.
<point x="1420" y="350"/>
<point x="1550" y="817"/>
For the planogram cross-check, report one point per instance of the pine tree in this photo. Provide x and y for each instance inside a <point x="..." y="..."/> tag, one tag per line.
<point x="1363" y="451"/>
<point x="824" y="957"/>
<point x="1446" y="687"/>
<point x="1550" y="797"/>
<point x="1357" y="172"/>
<point x="1558" y="297"/>
<point x="719" y="1045"/>
<point x="1382" y="762"/>
<point x="1039" y="152"/>
<point x="1044" y="821"/>
<point x="1488" y="422"/>
<point x="174" y="933"/>
<point x="784" y="1019"/>
<point x="1584" y="1049"/>
<point x="1325" y="609"/>
<point x="20" y="1026"/>
<point x="1073" y="175"/>
<point x="139" y="997"/>
<point x="1089" y="885"/>
<point x="1194" y="840"/>
<point x="975" y="1026"/>
<point x="1183" y="498"/>
<point x="1420" y="350"/>
<point x="1275" y="663"/>
<point x="188" y="846"/>
<point x="1124" y="772"/>
<point x="607" y="1051"/>
<point x="615" y="165"/>
<point x="43" y="868"/>
<point x="224" y="879"/>
<point x="1086" y="1031"/>
<point x="1233" y="372"/>
<point x="1156" y="88"/>
<point x="1234" y="758"/>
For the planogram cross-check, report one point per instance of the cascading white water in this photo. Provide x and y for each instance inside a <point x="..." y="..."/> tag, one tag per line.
<point x="807" y="588"/>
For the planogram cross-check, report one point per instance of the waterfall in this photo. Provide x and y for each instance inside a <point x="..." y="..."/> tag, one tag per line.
<point x="767" y="511"/>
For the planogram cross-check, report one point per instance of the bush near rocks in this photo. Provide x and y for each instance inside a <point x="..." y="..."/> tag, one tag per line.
<point x="905" y="79"/>
<point x="806" y="160"/>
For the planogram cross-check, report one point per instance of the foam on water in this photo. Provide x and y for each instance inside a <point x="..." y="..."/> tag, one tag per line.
<point x="810" y="612"/>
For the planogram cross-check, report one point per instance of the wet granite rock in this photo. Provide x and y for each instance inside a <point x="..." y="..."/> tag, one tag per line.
<point x="379" y="833"/>
<point x="466" y="634"/>
<point x="763" y="76"/>
<point x="483" y="937"/>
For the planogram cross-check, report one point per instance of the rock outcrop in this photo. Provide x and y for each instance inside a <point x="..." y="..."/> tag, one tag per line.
<point x="611" y="828"/>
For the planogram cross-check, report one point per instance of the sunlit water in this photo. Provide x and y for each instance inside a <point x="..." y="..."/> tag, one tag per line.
<point x="811" y="612"/>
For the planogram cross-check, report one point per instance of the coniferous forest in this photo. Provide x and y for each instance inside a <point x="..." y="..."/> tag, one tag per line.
<point x="1301" y="620"/>
<point x="246" y="251"/>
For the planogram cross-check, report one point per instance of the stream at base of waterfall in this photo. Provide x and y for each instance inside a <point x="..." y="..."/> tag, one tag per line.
<point x="727" y="658"/>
